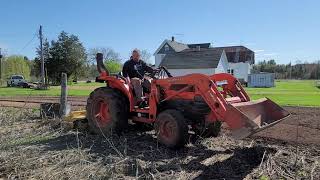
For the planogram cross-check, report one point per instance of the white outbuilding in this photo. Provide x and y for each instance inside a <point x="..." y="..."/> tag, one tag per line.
<point x="261" y="79"/>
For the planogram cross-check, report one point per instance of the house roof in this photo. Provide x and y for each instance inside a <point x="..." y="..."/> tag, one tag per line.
<point x="237" y="54"/>
<point x="234" y="48"/>
<point x="201" y="45"/>
<point x="206" y="58"/>
<point x="178" y="47"/>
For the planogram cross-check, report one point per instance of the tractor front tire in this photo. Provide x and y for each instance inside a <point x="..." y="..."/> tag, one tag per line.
<point x="106" y="112"/>
<point x="171" y="129"/>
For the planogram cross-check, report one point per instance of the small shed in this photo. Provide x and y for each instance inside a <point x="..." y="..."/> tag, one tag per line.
<point x="261" y="79"/>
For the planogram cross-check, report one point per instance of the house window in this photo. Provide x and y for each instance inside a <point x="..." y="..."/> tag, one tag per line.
<point x="166" y="48"/>
<point x="230" y="71"/>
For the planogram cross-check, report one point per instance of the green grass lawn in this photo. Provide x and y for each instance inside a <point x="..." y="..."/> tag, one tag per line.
<point x="80" y="89"/>
<point x="290" y="92"/>
<point x="286" y="92"/>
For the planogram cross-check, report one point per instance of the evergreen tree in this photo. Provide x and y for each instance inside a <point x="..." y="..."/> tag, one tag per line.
<point x="67" y="55"/>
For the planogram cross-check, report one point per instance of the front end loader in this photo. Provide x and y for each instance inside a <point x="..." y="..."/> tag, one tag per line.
<point x="179" y="105"/>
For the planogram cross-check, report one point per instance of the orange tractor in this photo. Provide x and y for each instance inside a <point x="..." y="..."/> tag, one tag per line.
<point x="179" y="105"/>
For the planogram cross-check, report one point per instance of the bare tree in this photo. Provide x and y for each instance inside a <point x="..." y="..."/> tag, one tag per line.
<point x="108" y="54"/>
<point x="146" y="56"/>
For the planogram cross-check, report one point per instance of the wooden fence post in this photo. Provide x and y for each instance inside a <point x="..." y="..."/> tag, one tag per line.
<point x="63" y="96"/>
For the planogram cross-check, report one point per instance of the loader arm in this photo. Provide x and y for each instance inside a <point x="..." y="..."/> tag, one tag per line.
<point x="232" y="87"/>
<point x="243" y="117"/>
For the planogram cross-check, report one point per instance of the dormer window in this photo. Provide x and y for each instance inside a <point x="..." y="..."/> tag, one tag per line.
<point x="166" y="48"/>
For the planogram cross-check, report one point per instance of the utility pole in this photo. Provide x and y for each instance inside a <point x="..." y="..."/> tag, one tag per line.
<point x="290" y="70"/>
<point x="317" y="69"/>
<point x="0" y="67"/>
<point x="42" y="58"/>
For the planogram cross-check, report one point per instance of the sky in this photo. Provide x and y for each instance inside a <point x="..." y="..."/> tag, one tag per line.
<point x="284" y="30"/>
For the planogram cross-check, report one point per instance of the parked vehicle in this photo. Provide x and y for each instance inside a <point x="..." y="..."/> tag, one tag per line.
<point x="17" y="81"/>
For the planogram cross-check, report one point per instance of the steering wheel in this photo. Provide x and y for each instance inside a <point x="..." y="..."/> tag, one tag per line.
<point x="120" y="76"/>
<point x="160" y="73"/>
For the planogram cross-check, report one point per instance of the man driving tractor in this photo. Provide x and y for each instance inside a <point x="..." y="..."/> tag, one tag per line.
<point x="134" y="70"/>
<point x="192" y="102"/>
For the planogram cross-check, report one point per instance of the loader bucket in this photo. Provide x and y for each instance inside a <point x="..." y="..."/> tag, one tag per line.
<point x="247" y="118"/>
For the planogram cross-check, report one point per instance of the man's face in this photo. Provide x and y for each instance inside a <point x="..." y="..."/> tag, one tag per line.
<point x="135" y="55"/>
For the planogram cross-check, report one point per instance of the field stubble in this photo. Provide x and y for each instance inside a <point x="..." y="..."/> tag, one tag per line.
<point x="42" y="149"/>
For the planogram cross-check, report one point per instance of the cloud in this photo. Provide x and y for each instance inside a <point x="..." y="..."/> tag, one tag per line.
<point x="248" y="44"/>
<point x="270" y="54"/>
<point x="258" y="50"/>
<point x="241" y="43"/>
<point x="233" y="43"/>
<point x="4" y="48"/>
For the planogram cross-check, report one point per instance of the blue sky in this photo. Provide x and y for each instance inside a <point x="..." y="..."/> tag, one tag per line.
<point x="286" y="30"/>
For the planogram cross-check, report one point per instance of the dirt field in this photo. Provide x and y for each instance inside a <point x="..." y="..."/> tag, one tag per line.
<point x="77" y="102"/>
<point x="43" y="149"/>
<point x="303" y="126"/>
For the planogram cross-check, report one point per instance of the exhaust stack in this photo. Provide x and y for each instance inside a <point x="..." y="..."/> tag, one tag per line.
<point x="100" y="66"/>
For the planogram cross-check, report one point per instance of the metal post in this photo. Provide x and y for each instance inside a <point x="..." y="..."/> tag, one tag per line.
<point x="42" y="58"/>
<point x="63" y="97"/>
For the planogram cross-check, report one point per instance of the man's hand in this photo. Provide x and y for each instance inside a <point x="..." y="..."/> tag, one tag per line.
<point x="127" y="80"/>
<point x="154" y="72"/>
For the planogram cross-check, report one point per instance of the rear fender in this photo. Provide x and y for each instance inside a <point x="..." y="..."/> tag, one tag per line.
<point x="119" y="84"/>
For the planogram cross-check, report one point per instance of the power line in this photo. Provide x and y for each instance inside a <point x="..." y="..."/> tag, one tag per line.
<point x="28" y="43"/>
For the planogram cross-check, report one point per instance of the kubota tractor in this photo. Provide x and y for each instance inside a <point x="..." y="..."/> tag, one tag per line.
<point x="178" y="105"/>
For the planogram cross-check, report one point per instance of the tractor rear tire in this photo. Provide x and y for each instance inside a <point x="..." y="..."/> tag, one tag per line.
<point x="171" y="129"/>
<point x="106" y="111"/>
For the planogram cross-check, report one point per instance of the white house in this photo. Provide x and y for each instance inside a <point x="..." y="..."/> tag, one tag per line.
<point x="241" y="60"/>
<point x="236" y="60"/>
<point x="168" y="47"/>
<point x="205" y="61"/>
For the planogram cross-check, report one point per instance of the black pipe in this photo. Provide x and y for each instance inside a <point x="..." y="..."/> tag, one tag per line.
<point x="100" y="64"/>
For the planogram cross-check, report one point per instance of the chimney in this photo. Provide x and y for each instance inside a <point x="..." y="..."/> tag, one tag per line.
<point x="172" y="38"/>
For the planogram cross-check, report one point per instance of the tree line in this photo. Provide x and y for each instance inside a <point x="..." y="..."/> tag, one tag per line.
<point x="288" y="71"/>
<point x="16" y="65"/>
<point x="65" y="54"/>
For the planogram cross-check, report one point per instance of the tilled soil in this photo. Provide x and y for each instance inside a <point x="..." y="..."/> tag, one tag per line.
<point x="77" y="102"/>
<point x="303" y="126"/>
<point x="31" y="148"/>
